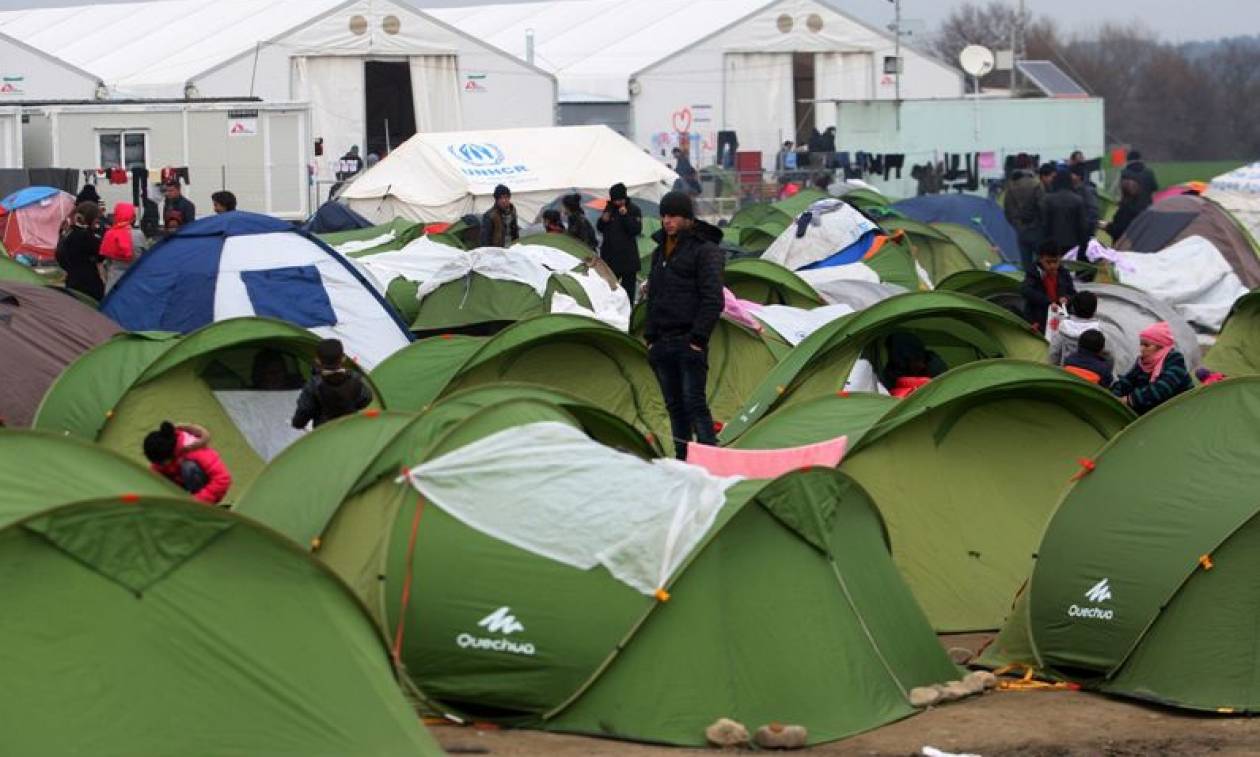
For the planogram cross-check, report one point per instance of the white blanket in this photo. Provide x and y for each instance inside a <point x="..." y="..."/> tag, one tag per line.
<point x="836" y="225"/>
<point x="588" y="506"/>
<point x="359" y="245"/>
<point x="794" y="324"/>
<point x="608" y="304"/>
<point x="525" y="264"/>
<point x="263" y="418"/>
<point x="1191" y="275"/>
<point x="417" y="262"/>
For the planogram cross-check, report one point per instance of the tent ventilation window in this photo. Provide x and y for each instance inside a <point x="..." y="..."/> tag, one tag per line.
<point x="358" y="25"/>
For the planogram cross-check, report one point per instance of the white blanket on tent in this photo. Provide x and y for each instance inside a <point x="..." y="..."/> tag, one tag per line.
<point x="794" y="324"/>
<point x="588" y="506"/>
<point x="525" y="264"/>
<point x="262" y="417"/>
<point x="417" y="262"/>
<point x="1191" y="275"/>
<point x="835" y="226"/>
<point x="359" y="245"/>
<point x="608" y="304"/>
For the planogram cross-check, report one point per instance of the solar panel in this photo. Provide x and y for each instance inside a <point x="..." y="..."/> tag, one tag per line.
<point x="1050" y="79"/>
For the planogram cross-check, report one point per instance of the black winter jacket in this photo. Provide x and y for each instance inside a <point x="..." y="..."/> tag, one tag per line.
<point x="330" y="395"/>
<point x="621" y="239"/>
<point x="499" y="228"/>
<point x="580" y="229"/>
<point x="1146" y="395"/>
<point x="78" y="254"/>
<point x="1103" y="365"/>
<point x="684" y="295"/>
<point x="1064" y="219"/>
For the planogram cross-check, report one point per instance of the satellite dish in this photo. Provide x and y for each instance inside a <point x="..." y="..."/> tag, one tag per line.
<point x="976" y="60"/>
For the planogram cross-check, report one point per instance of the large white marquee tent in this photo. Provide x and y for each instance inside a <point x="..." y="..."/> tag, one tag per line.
<point x="703" y="66"/>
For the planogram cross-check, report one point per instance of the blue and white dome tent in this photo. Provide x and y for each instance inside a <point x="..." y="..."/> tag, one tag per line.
<point x="242" y="264"/>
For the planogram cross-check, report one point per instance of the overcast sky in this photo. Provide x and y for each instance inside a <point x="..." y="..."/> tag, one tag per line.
<point x="1174" y="20"/>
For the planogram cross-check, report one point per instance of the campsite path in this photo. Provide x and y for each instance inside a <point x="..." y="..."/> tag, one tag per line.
<point x="1029" y="724"/>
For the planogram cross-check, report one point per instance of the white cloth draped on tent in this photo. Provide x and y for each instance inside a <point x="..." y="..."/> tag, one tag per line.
<point x="435" y="93"/>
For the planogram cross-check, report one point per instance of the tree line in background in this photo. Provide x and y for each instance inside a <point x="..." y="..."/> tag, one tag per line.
<point x="1196" y="101"/>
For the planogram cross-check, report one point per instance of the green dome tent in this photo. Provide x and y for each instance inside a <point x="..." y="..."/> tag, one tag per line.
<point x="581" y="356"/>
<point x="1144" y="581"/>
<point x="525" y="636"/>
<point x="944" y="249"/>
<point x="118" y="392"/>
<point x="223" y="638"/>
<point x="386" y="237"/>
<point x="768" y="283"/>
<point x="1237" y="349"/>
<point x="11" y="270"/>
<point x="967" y="470"/>
<point x="961" y="329"/>
<point x="818" y="420"/>
<point x="868" y="200"/>
<point x="755" y="226"/>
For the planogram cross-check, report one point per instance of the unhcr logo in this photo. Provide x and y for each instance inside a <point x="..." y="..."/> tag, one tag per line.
<point x="501" y="621"/>
<point x="480" y="154"/>
<point x="1098" y="593"/>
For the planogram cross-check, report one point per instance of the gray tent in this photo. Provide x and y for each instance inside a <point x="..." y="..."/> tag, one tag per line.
<point x="1125" y="311"/>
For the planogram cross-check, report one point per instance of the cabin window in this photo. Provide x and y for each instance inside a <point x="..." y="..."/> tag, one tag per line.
<point x="125" y="149"/>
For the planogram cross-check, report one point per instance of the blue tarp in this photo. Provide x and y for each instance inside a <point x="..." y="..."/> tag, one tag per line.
<point x="28" y="196"/>
<point x="972" y="211"/>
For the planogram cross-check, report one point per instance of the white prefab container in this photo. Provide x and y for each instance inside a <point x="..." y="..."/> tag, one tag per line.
<point x="258" y="151"/>
<point x="983" y="132"/>
<point x="10" y="138"/>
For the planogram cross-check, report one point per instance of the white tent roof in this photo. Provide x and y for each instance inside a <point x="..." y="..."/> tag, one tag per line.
<point x="595" y="46"/>
<point x="1241" y="179"/>
<point x="1239" y="192"/>
<point x="441" y="176"/>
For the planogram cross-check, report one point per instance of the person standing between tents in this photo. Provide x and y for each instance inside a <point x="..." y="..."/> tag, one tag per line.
<point x="182" y="454"/>
<point x="1022" y="206"/>
<point x="1159" y="373"/>
<point x="177" y="203"/>
<point x="621" y="223"/>
<point x="1049" y="283"/>
<point x="578" y="226"/>
<point x="499" y="227"/>
<point x="1063" y="217"/>
<point x="553" y="223"/>
<point x="121" y="244"/>
<point x="1089" y="195"/>
<point x="1133" y="200"/>
<point x="79" y="252"/>
<point x="1082" y="309"/>
<point x="333" y="391"/>
<point x="1140" y="172"/>
<point x="688" y="178"/>
<point x="685" y="300"/>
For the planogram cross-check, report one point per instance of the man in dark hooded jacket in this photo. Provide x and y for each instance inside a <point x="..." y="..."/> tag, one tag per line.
<point x="685" y="300"/>
<point x="1022" y="206"/>
<point x="333" y="391"/>
<point x="1141" y="173"/>
<point x="621" y="223"/>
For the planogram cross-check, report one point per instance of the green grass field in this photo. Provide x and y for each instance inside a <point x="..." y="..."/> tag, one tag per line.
<point x="1178" y="172"/>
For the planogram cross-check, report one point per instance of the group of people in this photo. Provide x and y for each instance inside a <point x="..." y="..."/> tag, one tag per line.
<point x="182" y="454"/>
<point x="96" y="248"/>
<point x="615" y="235"/>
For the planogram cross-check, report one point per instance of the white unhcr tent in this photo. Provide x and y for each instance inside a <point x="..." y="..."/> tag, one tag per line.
<point x="442" y="176"/>
<point x="1239" y="192"/>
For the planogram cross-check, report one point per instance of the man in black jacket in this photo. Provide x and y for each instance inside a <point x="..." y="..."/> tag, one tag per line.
<point x="333" y="390"/>
<point x="1064" y="219"/>
<point x="685" y="300"/>
<point x="621" y="224"/>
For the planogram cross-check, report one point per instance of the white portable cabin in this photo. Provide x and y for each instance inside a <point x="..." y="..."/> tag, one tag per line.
<point x="697" y="67"/>
<point x="373" y="71"/>
<point x="259" y="151"/>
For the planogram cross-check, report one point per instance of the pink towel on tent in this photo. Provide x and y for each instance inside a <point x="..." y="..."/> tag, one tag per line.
<point x="741" y="311"/>
<point x="766" y="463"/>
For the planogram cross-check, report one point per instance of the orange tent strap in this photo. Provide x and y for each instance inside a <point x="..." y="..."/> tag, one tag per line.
<point x="877" y="244"/>
<point x="406" y="590"/>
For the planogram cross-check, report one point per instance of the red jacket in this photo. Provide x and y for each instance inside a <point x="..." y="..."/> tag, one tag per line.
<point x="219" y="479"/>
<point x="117" y="244"/>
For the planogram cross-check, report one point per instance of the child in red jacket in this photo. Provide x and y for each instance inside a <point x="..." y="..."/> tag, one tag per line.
<point x="182" y="454"/>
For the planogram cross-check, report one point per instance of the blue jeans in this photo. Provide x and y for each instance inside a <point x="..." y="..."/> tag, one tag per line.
<point x="683" y="373"/>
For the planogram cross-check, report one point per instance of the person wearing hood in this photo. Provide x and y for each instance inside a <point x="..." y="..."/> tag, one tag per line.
<point x="1089" y="194"/>
<point x="1141" y="173"/>
<point x="499" y="226"/>
<point x="121" y="245"/>
<point x="577" y="225"/>
<point x="1046" y="284"/>
<point x="1081" y="311"/>
<point x="1158" y="375"/>
<point x="333" y="391"/>
<point x="910" y="364"/>
<point x="621" y="223"/>
<point x="684" y="301"/>
<point x="1022" y="206"/>
<point x="1064" y="220"/>
<point x="79" y="252"/>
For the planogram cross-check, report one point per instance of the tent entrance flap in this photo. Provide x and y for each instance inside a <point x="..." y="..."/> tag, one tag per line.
<point x="803" y="92"/>
<point x="388" y="102"/>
